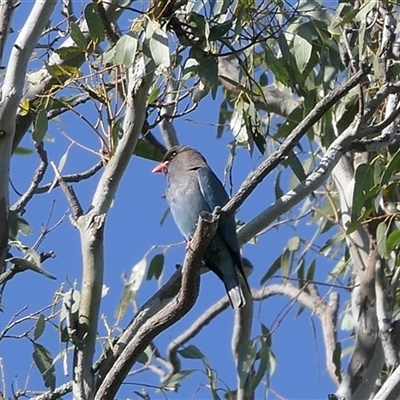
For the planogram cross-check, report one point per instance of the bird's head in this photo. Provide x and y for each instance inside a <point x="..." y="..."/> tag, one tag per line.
<point x="183" y="155"/>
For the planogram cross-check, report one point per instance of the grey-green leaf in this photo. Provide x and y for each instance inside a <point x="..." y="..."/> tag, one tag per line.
<point x="178" y="377"/>
<point x="77" y="36"/>
<point x="44" y="362"/>
<point x="39" y="327"/>
<point x="155" y="267"/>
<point x="125" y="50"/>
<point x="191" y="352"/>
<point x="159" y="48"/>
<point x="94" y="22"/>
<point x="40" y="127"/>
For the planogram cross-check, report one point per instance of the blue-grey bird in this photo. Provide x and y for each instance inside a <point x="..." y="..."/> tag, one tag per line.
<point x="192" y="187"/>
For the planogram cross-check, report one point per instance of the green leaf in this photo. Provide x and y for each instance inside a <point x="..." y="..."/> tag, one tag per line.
<point x="276" y="266"/>
<point x="311" y="271"/>
<point x="44" y="362"/>
<point x="303" y="48"/>
<point x="296" y="166"/>
<point x="393" y="240"/>
<point x="31" y="261"/>
<point x="391" y="168"/>
<point x="39" y="327"/>
<point x="191" y="352"/>
<point x="40" y="127"/>
<point x="145" y="149"/>
<point x="153" y="96"/>
<point x="218" y="31"/>
<point x="77" y="36"/>
<point x="286" y="262"/>
<point x="71" y="302"/>
<point x="263" y="366"/>
<point x="208" y="69"/>
<point x="155" y="267"/>
<point x="246" y="358"/>
<point x="177" y="378"/>
<point x="276" y="65"/>
<point x="131" y="287"/>
<point x="108" y="56"/>
<point x="125" y="50"/>
<point x="65" y="53"/>
<point x="300" y="273"/>
<point x="159" y="48"/>
<point x="23" y="151"/>
<point x="60" y="167"/>
<point x="381" y="236"/>
<point x="277" y="186"/>
<point x="94" y="22"/>
<point x="363" y="191"/>
<point x="17" y="224"/>
<point x="267" y="336"/>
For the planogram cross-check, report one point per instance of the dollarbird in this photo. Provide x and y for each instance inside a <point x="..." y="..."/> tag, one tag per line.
<point x="192" y="187"/>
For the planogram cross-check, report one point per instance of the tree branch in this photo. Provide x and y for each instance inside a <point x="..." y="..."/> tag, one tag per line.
<point x="20" y="205"/>
<point x="252" y="181"/>
<point x="165" y="317"/>
<point x="7" y="8"/>
<point x="331" y="157"/>
<point x="72" y="178"/>
<point x="11" y="94"/>
<point x="91" y="225"/>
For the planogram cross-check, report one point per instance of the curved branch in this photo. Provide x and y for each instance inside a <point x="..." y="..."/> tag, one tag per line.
<point x="327" y="313"/>
<point x="166" y="125"/>
<point x="11" y="94"/>
<point x="7" y="8"/>
<point x="168" y="315"/>
<point x="313" y="181"/>
<point x="249" y="185"/>
<point x="37" y="178"/>
<point x="202" y="321"/>
<point x="91" y="225"/>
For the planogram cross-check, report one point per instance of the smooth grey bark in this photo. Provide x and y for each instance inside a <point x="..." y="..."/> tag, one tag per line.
<point x="11" y="94"/>
<point x="91" y="228"/>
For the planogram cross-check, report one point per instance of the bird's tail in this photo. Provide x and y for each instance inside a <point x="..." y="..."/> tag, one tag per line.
<point x="235" y="292"/>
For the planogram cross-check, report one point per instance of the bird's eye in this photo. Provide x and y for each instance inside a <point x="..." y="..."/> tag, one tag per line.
<point x="173" y="154"/>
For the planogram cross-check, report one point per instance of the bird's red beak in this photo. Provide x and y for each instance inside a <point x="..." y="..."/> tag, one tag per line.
<point x="160" y="167"/>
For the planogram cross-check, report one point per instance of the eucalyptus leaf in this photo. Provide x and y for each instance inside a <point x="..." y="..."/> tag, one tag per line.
<point x="44" y="362"/>
<point x="125" y="50"/>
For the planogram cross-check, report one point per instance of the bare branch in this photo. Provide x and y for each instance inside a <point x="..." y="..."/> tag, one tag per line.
<point x="383" y="312"/>
<point x="91" y="225"/>
<point x="290" y="142"/>
<point x="72" y="178"/>
<point x="69" y="194"/>
<point x="202" y="321"/>
<point x="7" y="8"/>
<point x="166" y="316"/>
<point x="56" y="393"/>
<point x="327" y="313"/>
<point x="331" y="157"/>
<point x="20" y="205"/>
<point x="240" y="337"/>
<point x="11" y="95"/>
<point x="166" y="125"/>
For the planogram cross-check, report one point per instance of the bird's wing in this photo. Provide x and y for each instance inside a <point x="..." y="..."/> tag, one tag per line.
<point x="214" y="195"/>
